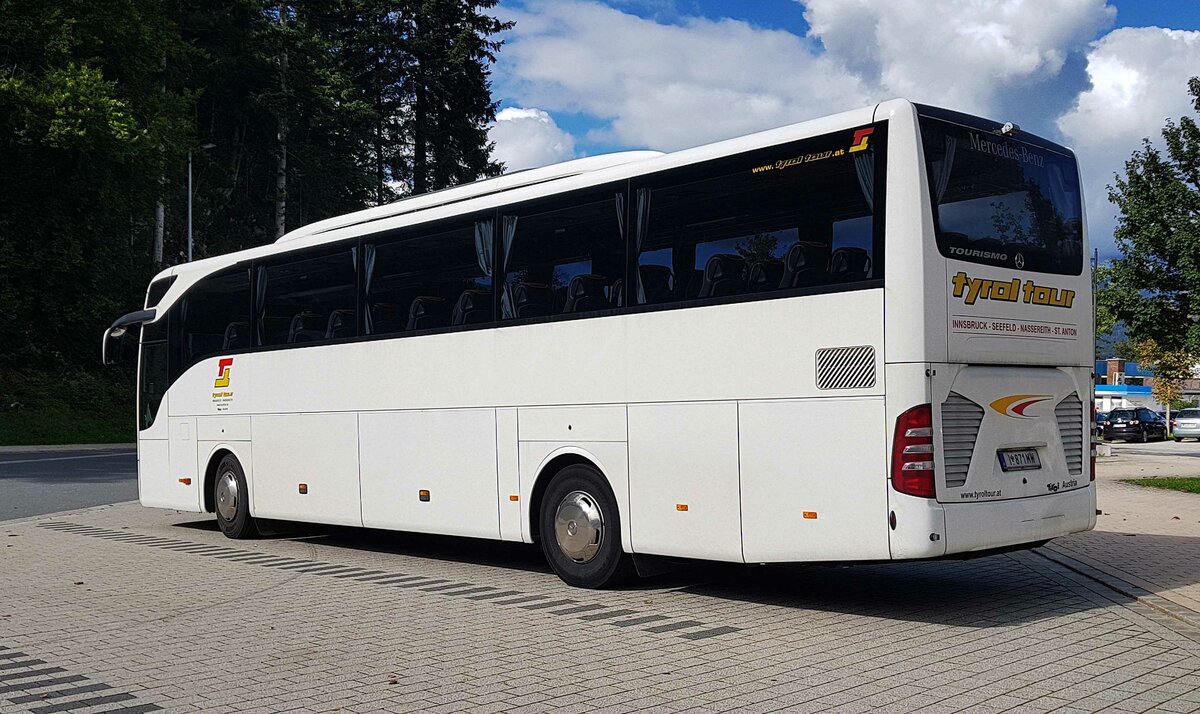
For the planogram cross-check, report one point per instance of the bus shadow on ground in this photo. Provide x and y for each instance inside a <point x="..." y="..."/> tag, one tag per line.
<point x="992" y="591"/>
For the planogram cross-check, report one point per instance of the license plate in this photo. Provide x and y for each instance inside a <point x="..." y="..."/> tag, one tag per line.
<point x="1019" y="460"/>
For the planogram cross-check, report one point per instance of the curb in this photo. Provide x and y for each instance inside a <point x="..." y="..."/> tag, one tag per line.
<point x="38" y="448"/>
<point x="61" y="514"/>
<point x="1162" y="604"/>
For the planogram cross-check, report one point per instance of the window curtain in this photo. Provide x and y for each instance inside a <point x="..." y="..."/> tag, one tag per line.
<point x="508" y="231"/>
<point x="643" y="223"/>
<point x="941" y="169"/>
<point x="864" y="166"/>
<point x="368" y="273"/>
<point x="483" y="246"/>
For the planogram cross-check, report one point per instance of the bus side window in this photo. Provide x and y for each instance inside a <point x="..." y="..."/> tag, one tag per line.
<point x="307" y="300"/>
<point x="756" y="224"/>
<point x="216" y="316"/>
<point x="563" y="259"/>
<point x="436" y="278"/>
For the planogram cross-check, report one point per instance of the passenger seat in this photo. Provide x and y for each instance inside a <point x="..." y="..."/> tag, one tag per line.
<point x="341" y="324"/>
<point x="427" y="311"/>
<point x="473" y="307"/>
<point x="805" y="265"/>
<point x="586" y="293"/>
<point x="306" y="326"/>
<point x="849" y="265"/>
<point x="724" y="274"/>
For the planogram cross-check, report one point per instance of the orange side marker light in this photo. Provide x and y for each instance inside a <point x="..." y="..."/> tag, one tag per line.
<point x="810" y="514"/>
<point x="185" y="481"/>
<point x="514" y="497"/>
<point x="423" y="495"/>
<point x="303" y="488"/>
<point x="681" y="507"/>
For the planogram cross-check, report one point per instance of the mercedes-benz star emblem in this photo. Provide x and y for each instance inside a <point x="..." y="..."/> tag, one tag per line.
<point x="1020" y="261"/>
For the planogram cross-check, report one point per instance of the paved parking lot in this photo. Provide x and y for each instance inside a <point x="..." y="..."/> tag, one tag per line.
<point x="131" y="610"/>
<point x="125" y="609"/>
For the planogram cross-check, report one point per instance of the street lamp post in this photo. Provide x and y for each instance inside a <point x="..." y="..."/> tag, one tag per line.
<point x="203" y="147"/>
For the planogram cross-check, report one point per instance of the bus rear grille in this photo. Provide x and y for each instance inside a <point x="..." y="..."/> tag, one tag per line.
<point x="1069" y="414"/>
<point x="961" y="418"/>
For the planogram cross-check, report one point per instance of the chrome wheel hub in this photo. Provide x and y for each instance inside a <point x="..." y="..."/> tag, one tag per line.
<point x="579" y="526"/>
<point x="227" y="496"/>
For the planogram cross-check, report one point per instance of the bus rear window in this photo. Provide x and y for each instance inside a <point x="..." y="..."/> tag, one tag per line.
<point x="1001" y="201"/>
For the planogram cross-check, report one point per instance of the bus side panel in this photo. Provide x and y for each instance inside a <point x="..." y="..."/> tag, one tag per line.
<point x="155" y="487"/>
<point x="683" y="480"/>
<point x="810" y="477"/>
<point x="306" y="468"/>
<point x="430" y="471"/>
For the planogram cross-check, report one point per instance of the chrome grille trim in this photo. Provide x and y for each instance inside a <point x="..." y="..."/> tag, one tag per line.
<point x="1069" y="415"/>
<point x="961" y="418"/>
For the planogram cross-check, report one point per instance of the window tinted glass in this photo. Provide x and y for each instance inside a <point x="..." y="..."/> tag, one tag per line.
<point x="1188" y="414"/>
<point x="998" y="198"/>
<point x="216" y="316"/>
<point x="152" y="377"/>
<point x="563" y="260"/>
<point x="1121" y="414"/>
<point x="312" y="299"/>
<point x="430" y="279"/>
<point x="797" y="215"/>
<point x="157" y="289"/>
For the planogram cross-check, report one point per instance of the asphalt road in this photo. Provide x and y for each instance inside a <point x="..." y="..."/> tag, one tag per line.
<point x="33" y="483"/>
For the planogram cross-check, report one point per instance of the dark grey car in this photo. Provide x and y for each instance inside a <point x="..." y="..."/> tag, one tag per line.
<point x="1139" y="424"/>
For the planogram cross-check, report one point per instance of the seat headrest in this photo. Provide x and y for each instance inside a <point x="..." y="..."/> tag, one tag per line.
<point x="724" y="266"/>
<point x="586" y="286"/>
<point x="849" y="260"/>
<point x="805" y="254"/>
<point x="655" y="276"/>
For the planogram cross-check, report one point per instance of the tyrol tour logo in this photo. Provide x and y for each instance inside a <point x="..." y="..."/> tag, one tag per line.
<point x="222" y="398"/>
<point x="1015" y="405"/>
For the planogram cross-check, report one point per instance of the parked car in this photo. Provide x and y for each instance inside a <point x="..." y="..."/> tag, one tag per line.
<point x="1186" y="425"/>
<point x="1135" y="425"/>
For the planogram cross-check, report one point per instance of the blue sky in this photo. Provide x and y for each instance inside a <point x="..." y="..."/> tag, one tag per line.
<point x="583" y="77"/>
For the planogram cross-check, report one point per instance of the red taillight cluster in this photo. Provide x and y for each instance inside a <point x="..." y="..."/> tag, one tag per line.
<point x="912" y="452"/>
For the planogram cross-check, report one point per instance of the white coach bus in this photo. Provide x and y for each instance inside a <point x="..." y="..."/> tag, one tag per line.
<point x="864" y="337"/>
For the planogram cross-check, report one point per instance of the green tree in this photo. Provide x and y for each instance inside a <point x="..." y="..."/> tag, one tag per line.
<point x="1154" y="287"/>
<point x="85" y="131"/>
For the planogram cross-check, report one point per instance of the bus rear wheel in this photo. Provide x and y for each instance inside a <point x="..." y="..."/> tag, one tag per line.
<point x="231" y="500"/>
<point x="581" y="530"/>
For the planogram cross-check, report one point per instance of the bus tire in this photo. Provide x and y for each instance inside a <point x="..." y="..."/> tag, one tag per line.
<point x="231" y="500"/>
<point x="581" y="529"/>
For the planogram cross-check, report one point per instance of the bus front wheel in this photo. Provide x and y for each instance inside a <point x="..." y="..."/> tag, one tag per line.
<point x="231" y="500"/>
<point x="581" y="529"/>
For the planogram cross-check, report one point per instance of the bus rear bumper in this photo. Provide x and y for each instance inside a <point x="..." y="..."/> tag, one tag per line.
<point x="996" y="524"/>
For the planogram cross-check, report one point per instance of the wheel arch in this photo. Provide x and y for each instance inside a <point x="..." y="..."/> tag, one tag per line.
<point x="215" y="455"/>
<point x="554" y="462"/>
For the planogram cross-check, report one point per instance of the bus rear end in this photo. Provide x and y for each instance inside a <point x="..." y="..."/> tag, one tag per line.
<point x="996" y="450"/>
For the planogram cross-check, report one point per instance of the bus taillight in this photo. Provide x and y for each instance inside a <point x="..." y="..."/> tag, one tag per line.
<point x="912" y="452"/>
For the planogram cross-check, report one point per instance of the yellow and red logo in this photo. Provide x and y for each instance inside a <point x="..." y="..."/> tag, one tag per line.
<point x="224" y="367"/>
<point x="860" y="139"/>
<point x="1015" y="405"/>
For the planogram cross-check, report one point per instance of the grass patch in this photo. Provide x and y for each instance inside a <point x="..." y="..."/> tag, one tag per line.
<point x="67" y="407"/>
<point x="1187" y="485"/>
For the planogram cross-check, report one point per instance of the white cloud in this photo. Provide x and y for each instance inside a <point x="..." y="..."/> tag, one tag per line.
<point x="667" y="86"/>
<point x="1138" y="80"/>
<point x="528" y="138"/>
<point x="954" y="54"/>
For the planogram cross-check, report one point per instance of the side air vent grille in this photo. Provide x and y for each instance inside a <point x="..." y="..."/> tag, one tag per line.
<point x="961" y="418"/>
<point x="1069" y="415"/>
<point x="846" y="367"/>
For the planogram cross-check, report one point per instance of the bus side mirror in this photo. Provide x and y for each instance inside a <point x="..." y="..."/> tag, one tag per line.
<point x="110" y="345"/>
